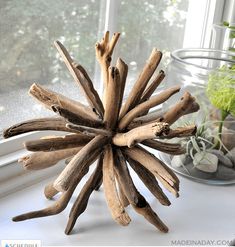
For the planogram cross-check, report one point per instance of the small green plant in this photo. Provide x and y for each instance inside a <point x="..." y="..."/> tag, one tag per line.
<point x="221" y="93"/>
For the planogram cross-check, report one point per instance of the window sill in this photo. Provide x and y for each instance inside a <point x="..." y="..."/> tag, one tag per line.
<point x="198" y="215"/>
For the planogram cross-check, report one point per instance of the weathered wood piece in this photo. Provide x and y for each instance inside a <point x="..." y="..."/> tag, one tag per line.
<point x="140" y="134"/>
<point x="117" y="210"/>
<point x="87" y="155"/>
<point x="81" y="202"/>
<point x="57" y="142"/>
<point x="52" y="123"/>
<point x="42" y="160"/>
<point x="81" y="77"/>
<point x="145" y="106"/>
<point x="111" y="131"/>
<point x="141" y="83"/>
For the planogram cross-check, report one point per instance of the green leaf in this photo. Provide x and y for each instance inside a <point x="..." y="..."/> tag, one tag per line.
<point x="221" y="89"/>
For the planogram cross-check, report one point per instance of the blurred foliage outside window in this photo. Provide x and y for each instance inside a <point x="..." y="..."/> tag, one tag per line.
<point x="29" y="27"/>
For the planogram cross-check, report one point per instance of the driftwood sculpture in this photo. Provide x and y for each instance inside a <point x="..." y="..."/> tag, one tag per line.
<point x="109" y="132"/>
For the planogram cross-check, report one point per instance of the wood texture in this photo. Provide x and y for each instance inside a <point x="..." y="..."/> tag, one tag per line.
<point x="150" y="181"/>
<point x="137" y="201"/>
<point x="42" y="160"/>
<point x="89" y="131"/>
<point x="110" y="190"/>
<point x="58" y="206"/>
<point x="141" y="83"/>
<point x="81" y="77"/>
<point x="169" y="148"/>
<point x="49" y="98"/>
<point x="81" y="202"/>
<point x="154" y="165"/>
<point x="140" y="134"/>
<point x="57" y="142"/>
<point x="50" y="123"/>
<point x="87" y="155"/>
<point x="145" y="106"/>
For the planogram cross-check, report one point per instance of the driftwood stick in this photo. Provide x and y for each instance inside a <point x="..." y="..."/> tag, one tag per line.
<point x="152" y="87"/>
<point x="50" y="191"/>
<point x="81" y="77"/>
<point x="141" y="83"/>
<point x="42" y="160"/>
<point x="35" y="125"/>
<point x="146" y="119"/>
<point x="89" y="131"/>
<point x="104" y="51"/>
<point x="123" y="70"/>
<point x="86" y="155"/>
<point x="186" y="105"/>
<point x="57" y="142"/>
<point x="181" y="132"/>
<point x="58" y="206"/>
<point x="150" y="181"/>
<point x="116" y="208"/>
<point x="169" y="148"/>
<point x="81" y="202"/>
<point x="154" y="165"/>
<point x="141" y="108"/>
<point x="76" y="119"/>
<point x="49" y="98"/>
<point x="140" y="134"/>
<point x="123" y="199"/>
<point x="137" y="201"/>
<point x="145" y="210"/>
<point x="112" y="98"/>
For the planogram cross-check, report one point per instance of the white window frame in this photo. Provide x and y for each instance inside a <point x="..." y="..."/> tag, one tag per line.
<point x="214" y="11"/>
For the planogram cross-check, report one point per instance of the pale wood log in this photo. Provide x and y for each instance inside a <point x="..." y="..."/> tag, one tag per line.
<point x="76" y="119"/>
<point x="50" y="123"/>
<point x="50" y="191"/>
<point x="141" y="108"/>
<point x="86" y="156"/>
<point x="146" y="119"/>
<point x="104" y="51"/>
<point x="110" y="190"/>
<point x="42" y="160"/>
<point x="88" y="130"/>
<point x="81" y="77"/>
<point x="112" y="98"/>
<point x="57" y="142"/>
<point x="58" y="206"/>
<point x="152" y="87"/>
<point x="169" y="148"/>
<point x="81" y="202"/>
<point x="123" y="71"/>
<point x="140" y="134"/>
<point x="48" y="98"/>
<point x="150" y="181"/>
<point x="141" y="83"/>
<point x="137" y="201"/>
<point x="154" y="165"/>
<point x="186" y="105"/>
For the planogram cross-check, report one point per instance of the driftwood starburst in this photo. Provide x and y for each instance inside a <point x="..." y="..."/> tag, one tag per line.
<point x="109" y="132"/>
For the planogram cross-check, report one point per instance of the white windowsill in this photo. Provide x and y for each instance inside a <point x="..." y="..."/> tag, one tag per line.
<point x="202" y="212"/>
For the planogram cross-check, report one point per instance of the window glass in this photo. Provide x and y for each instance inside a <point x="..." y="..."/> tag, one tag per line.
<point x="28" y="29"/>
<point x="147" y="24"/>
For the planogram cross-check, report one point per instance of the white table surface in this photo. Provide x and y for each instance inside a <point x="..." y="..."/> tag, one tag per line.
<point x="202" y="212"/>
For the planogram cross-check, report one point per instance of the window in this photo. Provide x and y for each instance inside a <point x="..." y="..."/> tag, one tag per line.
<point x="29" y="27"/>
